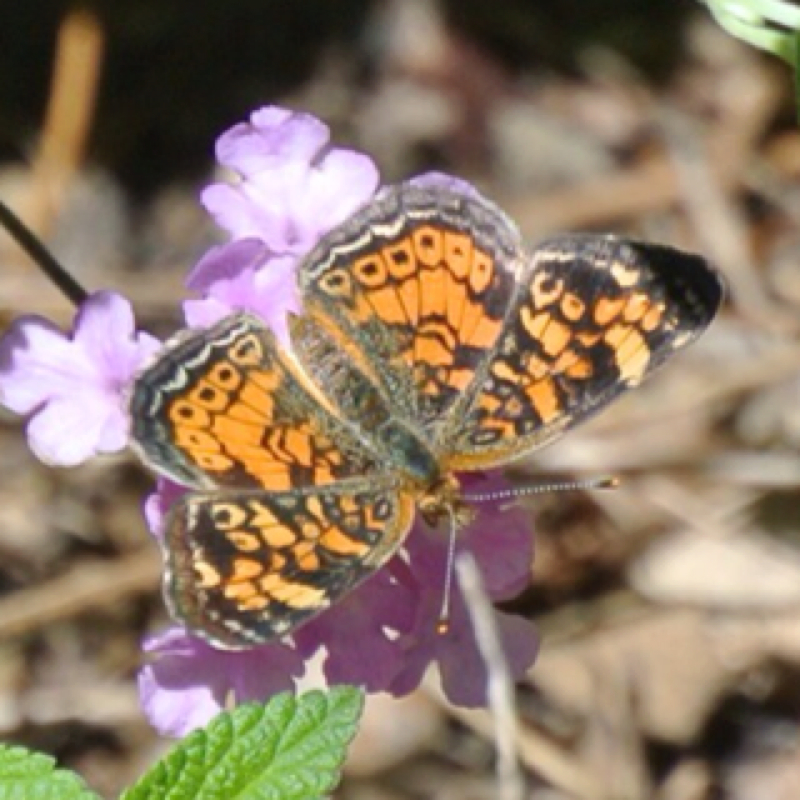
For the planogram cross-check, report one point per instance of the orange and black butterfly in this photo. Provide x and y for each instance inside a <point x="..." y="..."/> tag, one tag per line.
<point x="432" y="341"/>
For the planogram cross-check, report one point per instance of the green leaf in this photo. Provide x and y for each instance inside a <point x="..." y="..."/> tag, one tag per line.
<point x="796" y="46"/>
<point x="290" y="749"/>
<point x="32" y="776"/>
<point x="769" y="25"/>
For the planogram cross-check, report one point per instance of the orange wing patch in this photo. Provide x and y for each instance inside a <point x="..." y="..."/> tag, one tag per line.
<point x="595" y="317"/>
<point x="427" y="289"/>
<point x="226" y="407"/>
<point x="301" y="552"/>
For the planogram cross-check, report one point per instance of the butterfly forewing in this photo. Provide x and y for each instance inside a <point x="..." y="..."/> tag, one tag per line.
<point x="226" y="407"/>
<point x="415" y="288"/>
<point x="596" y="315"/>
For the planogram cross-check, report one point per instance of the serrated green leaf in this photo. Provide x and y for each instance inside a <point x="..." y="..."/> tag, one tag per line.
<point x="796" y="67"/>
<point x="290" y="749"/>
<point x="32" y="776"/>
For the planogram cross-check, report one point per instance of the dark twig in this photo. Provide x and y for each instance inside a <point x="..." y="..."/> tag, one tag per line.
<point x="26" y="239"/>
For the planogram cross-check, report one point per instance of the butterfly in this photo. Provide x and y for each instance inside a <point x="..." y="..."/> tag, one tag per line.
<point x="431" y="342"/>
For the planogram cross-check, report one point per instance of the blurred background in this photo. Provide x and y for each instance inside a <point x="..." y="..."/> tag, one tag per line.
<point x="670" y="609"/>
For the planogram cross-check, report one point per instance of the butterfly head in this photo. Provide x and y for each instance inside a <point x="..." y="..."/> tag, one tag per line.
<point x="444" y="500"/>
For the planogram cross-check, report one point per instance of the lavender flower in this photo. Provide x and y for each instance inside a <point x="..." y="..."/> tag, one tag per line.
<point x="293" y="187"/>
<point x="189" y="682"/>
<point x="71" y="386"/>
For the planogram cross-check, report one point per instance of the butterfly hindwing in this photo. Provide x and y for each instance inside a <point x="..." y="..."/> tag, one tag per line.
<point x="246" y="567"/>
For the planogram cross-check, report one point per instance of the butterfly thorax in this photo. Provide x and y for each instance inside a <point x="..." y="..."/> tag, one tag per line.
<point x="439" y="495"/>
<point x="399" y="444"/>
<point x="407" y="453"/>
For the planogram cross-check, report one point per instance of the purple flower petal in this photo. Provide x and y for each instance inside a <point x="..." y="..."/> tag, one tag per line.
<point x="158" y="504"/>
<point x="74" y="386"/>
<point x="66" y="433"/>
<point x="461" y="666"/>
<point x="359" y="634"/>
<point x="501" y="543"/>
<point x="226" y="262"/>
<point x="500" y="540"/>
<point x="234" y="279"/>
<point x="273" y="137"/>
<point x="188" y="682"/>
<point x="293" y="187"/>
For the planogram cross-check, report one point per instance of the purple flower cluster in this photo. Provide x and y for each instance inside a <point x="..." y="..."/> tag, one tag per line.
<point x="291" y="188"/>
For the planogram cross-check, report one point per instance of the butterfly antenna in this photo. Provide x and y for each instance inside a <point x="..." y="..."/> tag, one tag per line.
<point x="608" y="482"/>
<point x="41" y="256"/>
<point x="443" y="625"/>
